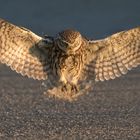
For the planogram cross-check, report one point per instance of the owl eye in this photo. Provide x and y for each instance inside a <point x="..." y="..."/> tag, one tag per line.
<point x="65" y="44"/>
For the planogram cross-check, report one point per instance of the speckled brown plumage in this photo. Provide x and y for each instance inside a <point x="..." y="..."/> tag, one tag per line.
<point x="68" y="61"/>
<point x="69" y="35"/>
<point x="15" y="45"/>
<point x="117" y="54"/>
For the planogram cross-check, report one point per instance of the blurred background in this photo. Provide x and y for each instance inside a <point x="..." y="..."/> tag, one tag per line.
<point x="93" y="18"/>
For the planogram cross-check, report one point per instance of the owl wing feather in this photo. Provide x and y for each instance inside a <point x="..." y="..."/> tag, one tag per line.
<point x="19" y="49"/>
<point x="115" y="55"/>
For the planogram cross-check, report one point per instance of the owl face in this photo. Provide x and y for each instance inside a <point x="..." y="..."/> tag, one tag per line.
<point x="69" y="41"/>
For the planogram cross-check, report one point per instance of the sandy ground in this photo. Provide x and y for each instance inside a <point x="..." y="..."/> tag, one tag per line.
<point x="110" y="112"/>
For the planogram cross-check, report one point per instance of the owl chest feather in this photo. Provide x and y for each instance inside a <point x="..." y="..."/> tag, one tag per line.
<point x="71" y="68"/>
<point x="67" y="68"/>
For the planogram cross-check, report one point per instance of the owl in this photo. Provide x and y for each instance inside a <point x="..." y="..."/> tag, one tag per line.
<point x="69" y="61"/>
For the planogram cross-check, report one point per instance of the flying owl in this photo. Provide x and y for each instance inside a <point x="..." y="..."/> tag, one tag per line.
<point x="68" y="61"/>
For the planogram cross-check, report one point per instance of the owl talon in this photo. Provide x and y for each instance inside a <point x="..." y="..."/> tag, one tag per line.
<point x="69" y="88"/>
<point x="64" y="88"/>
<point x="74" y="88"/>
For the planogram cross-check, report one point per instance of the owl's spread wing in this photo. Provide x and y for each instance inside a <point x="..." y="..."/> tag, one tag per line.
<point x="115" y="55"/>
<point x="19" y="49"/>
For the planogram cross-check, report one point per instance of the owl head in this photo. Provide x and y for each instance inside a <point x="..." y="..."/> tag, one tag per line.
<point x="69" y="41"/>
